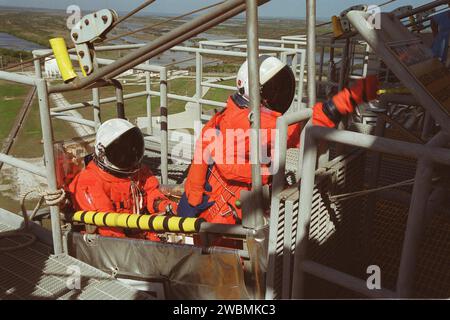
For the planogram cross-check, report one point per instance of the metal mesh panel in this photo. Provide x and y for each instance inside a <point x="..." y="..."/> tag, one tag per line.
<point x="279" y="254"/>
<point x="332" y="229"/>
<point x="33" y="273"/>
<point x="433" y="269"/>
<point x="335" y="227"/>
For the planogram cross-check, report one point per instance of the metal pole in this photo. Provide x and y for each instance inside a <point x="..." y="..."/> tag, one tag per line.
<point x="254" y="219"/>
<point x="304" y="211"/>
<point x="12" y="161"/>
<point x="96" y="106"/>
<point x="428" y="124"/>
<point x="384" y="145"/>
<point x="119" y="98"/>
<point x="301" y="82"/>
<point x="148" y="88"/>
<point x="37" y="67"/>
<point x="417" y="89"/>
<point x="311" y="49"/>
<point x="49" y="159"/>
<point x="164" y="127"/>
<point x="178" y="35"/>
<point x="198" y="84"/>
<point x="372" y="199"/>
<point x="415" y="225"/>
<point x="423" y="8"/>
<point x="344" y="280"/>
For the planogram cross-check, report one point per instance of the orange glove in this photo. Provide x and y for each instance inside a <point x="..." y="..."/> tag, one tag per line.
<point x="163" y="205"/>
<point x="329" y="114"/>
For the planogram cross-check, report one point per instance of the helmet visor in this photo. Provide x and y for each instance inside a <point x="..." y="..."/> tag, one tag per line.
<point x="126" y="151"/>
<point x="279" y="91"/>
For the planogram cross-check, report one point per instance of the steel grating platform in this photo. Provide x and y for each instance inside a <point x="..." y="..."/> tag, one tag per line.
<point x="433" y="266"/>
<point x="34" y="273"/>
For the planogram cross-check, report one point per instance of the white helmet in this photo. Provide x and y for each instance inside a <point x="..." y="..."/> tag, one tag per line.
<point x="277" y="83"/>
<point x="119" y="147"/>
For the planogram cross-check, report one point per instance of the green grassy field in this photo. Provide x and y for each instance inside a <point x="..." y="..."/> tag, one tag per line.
<point x="28" y="143"/>
<point x="11" y="99"/>
<point x="136" y="107"/>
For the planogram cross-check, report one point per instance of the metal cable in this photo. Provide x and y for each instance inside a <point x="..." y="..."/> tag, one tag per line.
<point x="161" y="23"/>
<point x="130" y="14"/>
<point x="133" y="12"/>
<point x="350" y="195"/>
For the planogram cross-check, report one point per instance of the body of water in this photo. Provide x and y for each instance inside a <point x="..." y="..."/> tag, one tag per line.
<point x="11" y="42"/>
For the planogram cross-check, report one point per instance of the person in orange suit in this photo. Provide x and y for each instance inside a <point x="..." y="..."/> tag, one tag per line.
<point x="219" y="172"/>
<point x="115" y="180"/>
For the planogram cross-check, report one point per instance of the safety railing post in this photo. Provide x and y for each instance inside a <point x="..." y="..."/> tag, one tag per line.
<point x="301" y="79"/>
<point x="148" y="88"/>
<point x="49" y="160"/>
<point x="304" y="211"/>
<point x="119" y="98"/>
<point x="254" y="219"/>
<point x="37" y="67"/>
<point x="198" y="84"/>
<point x="311" y="51"/>
<point x="164" y="126"/>
<point x="96" y="106"/>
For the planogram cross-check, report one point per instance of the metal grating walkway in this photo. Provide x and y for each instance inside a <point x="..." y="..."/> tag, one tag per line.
<point x="34" y="273"/>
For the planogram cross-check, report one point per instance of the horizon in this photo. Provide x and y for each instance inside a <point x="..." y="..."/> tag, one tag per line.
<point x="153" y="14"/>
<point x="273" y="9"/>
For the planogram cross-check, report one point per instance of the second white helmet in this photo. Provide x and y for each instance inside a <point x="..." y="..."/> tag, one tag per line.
<point x="277" y="83"/>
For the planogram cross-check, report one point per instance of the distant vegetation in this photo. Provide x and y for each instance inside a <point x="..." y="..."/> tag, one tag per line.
<point x="13" y="56"/>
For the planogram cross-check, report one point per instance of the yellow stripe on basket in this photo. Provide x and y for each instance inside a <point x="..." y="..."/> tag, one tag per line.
<point x="111" y="219"/>
<point x="174" y="224"/>
<point x="77" y="216"/>
<point x="189" y="224"/>
<point x="88" y="217"/>
<point x="143" y="222"/>
<point x="98" y="219"/>
<point x="158" y="223"/>
<point x="121" y="221"/>
<point x="132" y="221"/>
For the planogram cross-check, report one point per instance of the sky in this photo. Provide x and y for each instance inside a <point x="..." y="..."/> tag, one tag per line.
<point x="275" y="8"/>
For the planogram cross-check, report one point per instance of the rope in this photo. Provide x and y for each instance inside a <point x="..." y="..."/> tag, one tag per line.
<point x="50" y="198"/>
<point x="350" y="195"/>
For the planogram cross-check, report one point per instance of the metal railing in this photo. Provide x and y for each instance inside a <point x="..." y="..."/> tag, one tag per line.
<point x="426" y="154"/>
<point x="49" y="157"/>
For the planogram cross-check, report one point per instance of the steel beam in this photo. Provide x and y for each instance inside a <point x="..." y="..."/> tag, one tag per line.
<point x="49" y="158"/>
<point x="12" y="161"/>
<point x="255" y="218"/>
<point x="164" y="127"/>
<point x="311" y="50"/>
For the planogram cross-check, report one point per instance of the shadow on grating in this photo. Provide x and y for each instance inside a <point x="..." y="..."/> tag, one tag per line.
<point x="432" y="279"/>
<point x="34" y="273"/>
